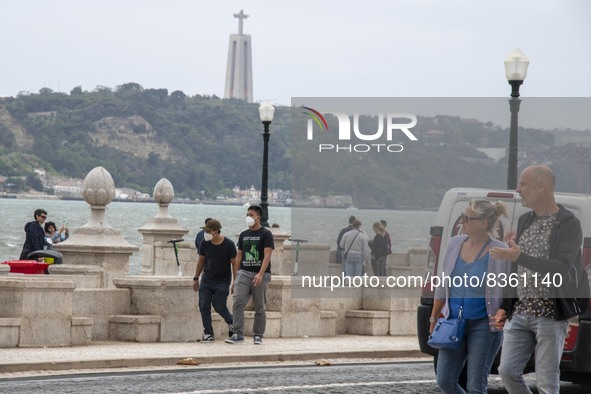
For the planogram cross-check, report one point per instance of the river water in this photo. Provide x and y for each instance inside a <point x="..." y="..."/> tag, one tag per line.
<point x="319" y="226"/>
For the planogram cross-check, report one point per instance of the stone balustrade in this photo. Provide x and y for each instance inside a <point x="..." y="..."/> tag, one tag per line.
<point x="44" y="308"/>
<point x="165" y="260"/>
<point x="171" y="298"/>
<point x="91" y="296"/>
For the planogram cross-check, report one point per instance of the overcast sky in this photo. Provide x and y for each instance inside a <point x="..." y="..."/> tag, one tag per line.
<point x="403" y="48"/>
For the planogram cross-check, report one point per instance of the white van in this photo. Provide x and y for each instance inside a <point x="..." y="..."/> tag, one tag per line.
<point x="576" y="364"/>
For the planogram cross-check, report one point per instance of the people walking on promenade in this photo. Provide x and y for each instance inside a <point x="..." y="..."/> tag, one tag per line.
<point x="468" y="256"/>
<point x="379" y="250"/>
<point x="217" y="262"/>
<point x="200" y="235"/>
<point x="388" y="237"/>
<point x="356" y="252"/>
<point x="255" y="246"/>
<point x="548" y="240"/>
<point x="339" y="253"/>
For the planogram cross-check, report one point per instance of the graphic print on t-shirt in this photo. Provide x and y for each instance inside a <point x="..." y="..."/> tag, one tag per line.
<point x="251" y="253"/>
<point x="253" y="243"/>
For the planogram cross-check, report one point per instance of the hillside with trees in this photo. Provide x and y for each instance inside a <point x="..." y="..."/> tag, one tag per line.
<point x="205" y="146"/>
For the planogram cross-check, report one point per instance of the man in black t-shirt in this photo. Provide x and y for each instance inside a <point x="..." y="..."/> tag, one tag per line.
<point x="217" y="261"/>
<point x="255" y="247"/>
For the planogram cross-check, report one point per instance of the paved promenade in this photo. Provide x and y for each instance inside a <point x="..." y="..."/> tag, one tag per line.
<point x="111" y="354"/>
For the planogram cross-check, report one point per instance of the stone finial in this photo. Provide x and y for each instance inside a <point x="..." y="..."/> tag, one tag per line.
<point x="98" y="188"/>
<point x="163" y="195"/>
<point x="158" y="231"/>
<point x="163" y="192"/>
<point x="96" y="243"/>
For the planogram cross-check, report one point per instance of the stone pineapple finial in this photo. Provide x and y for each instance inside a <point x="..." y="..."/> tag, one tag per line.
<point x="98" y="191"/>
<point x="163" y="195"/>
<point x="98" y="188"/>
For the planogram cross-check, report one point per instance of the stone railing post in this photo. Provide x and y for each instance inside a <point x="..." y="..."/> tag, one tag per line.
<point x="158" y="231"/>
<point x="277" y="258"/>
<point x="97" y="243"/>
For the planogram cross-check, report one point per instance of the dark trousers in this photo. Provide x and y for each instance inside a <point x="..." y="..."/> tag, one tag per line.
<point x="216" y="294"/>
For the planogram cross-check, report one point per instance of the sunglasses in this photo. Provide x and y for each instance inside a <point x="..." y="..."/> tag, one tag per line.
<point x="44" y="216"/>
<point x="465" y="218"/>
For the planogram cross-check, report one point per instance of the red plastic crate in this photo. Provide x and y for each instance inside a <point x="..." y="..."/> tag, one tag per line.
<point x="26" y="266"/>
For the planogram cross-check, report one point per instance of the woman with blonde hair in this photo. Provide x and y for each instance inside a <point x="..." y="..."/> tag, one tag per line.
<point x="467" y="261"/>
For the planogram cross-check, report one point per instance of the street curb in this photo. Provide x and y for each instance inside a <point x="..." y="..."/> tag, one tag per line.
<point x="169" y="361"/>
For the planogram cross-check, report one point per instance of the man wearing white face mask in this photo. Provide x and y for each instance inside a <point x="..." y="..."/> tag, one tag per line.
<point x="217" y="261"/>
<point x="255" y="246"/>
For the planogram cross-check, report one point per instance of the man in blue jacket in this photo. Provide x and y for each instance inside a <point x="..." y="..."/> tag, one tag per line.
<point x="35" y="235"/>
<point x="200" y="236"/>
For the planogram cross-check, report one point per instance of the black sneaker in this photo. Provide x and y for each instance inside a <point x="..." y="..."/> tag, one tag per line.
<point x="257" y="340"/>
<point x="207" y="338"/>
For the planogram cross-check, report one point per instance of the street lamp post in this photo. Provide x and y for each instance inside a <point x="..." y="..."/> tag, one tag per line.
<point x="266" y="112"/>
<point x="516" y="64"/>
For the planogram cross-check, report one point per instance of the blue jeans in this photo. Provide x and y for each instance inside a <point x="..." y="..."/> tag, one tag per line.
<point x="523" y="335"/>
<point x="479" y="348"/>
<point x="216" y="294"/>
<point x="354" y="264"/>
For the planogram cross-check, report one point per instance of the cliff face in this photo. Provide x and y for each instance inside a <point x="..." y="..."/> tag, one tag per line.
<point x="22" y="137"/>
<point x="132" y="134"/>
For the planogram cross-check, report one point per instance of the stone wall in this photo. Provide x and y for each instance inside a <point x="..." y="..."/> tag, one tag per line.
<point x="101" y="305"/>
<point x="43" y="306"/>
<point x="165" y="260"/>
<point x="69" y="309"/>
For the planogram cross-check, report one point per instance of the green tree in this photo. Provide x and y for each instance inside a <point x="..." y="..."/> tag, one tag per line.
<point x="77" y="91"/>
<point x="33" y="181"/>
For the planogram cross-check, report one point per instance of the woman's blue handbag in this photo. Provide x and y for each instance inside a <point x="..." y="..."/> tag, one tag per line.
<point x="448" y="333"/>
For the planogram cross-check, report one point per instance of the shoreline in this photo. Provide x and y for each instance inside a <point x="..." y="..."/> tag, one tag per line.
<point x="28" y="196"/>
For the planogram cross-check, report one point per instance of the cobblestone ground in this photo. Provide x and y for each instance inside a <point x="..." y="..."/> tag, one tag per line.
<point x="399" y="377"/>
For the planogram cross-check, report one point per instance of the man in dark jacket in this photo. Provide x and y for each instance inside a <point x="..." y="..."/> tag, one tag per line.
<point x="200" y="236"/>
<point x="339" y="254"/>
<point x="546" y="253"/>
<point x="35" y="235"/>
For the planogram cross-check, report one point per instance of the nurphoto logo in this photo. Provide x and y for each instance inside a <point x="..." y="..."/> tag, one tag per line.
<point x="379" y="141"/>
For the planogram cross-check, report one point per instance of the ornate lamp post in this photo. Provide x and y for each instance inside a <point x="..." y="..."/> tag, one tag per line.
<point x="516" y="64"/>
<point x="266" y="112"/>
